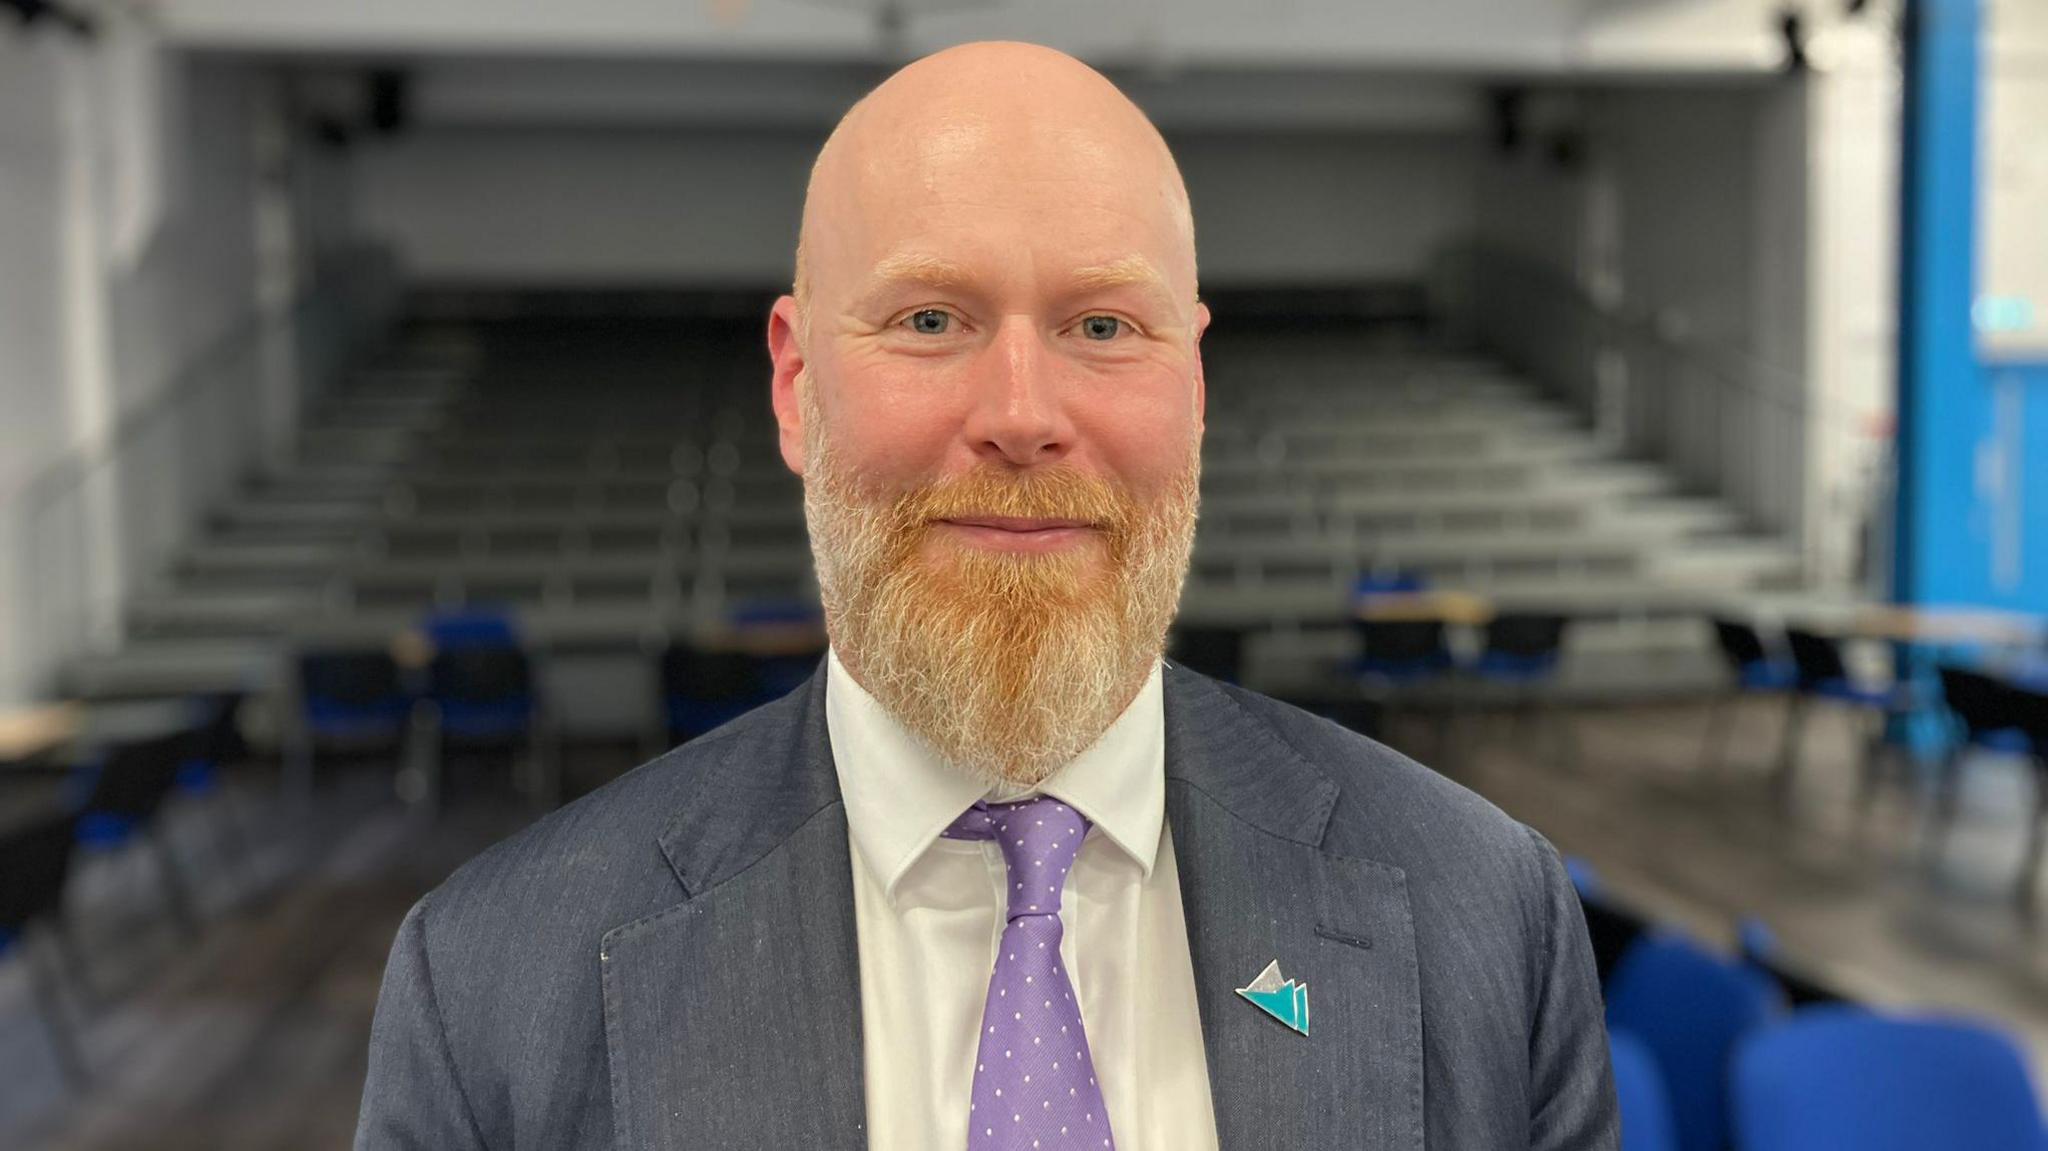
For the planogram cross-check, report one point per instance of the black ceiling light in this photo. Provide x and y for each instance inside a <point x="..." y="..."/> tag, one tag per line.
<point x="1508" y="104"/>
<point x="29" y="13"/>
<point x="390" y="101"/>
<point x="1792" y="26"/>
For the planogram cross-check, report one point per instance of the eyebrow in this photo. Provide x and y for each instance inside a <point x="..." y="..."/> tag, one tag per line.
<point x="938" y="272"/>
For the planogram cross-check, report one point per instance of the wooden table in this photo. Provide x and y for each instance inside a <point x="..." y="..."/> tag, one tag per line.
<point x="29" y="733"/>
<point x="41" y="745"/>
<point x="1934" y="624"/>
<point x="55" y="737"/>
<point x="1451" y="607"/>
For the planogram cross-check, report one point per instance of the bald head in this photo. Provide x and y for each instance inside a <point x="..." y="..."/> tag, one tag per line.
<point x="1019" y="127"/>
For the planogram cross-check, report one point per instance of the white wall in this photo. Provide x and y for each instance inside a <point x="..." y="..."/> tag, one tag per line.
<point x="700" y="206"/>
<point x="2013" y="170"/>
<point x="32" y="321"/>
<point x="32" y="174"/>
<point x="1853" y="301"/>
<point x="126" y="259"/>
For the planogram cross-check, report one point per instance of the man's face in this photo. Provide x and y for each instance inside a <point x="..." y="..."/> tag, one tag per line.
<point x="998" y="414"/>
<point x="1004" y="296"/>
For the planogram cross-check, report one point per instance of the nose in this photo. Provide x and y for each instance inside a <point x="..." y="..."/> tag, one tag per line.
<point x="1017" y="415"/>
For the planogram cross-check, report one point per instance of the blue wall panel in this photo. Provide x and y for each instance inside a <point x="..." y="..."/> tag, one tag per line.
<point x="1972" y="514"/>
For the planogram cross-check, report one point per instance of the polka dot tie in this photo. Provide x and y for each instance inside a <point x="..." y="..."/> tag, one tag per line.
<point x="1034" y="1083"/>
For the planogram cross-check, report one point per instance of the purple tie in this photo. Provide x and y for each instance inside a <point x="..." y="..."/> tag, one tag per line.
<point x="1034" y="1084"/>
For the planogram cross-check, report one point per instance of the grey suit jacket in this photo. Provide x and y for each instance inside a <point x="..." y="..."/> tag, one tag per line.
<point x="670" y="961"/>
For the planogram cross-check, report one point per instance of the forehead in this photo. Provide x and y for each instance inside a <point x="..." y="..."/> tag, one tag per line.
<point x="1041" y="191"/>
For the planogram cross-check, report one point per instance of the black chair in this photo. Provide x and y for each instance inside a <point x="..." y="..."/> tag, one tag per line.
<point x="1824" y="677"/>
<point x="1753" y="670"/>
<point x="202" y="776"/>
<point x="125" y="796"/>
<point x="1397" y="656"/>
<point x="1217" y="652"/>
<point x="1612" y="928"/>
<point x="1988" y="716"/>
<point x="2033" y="720"/>
<point x="484" y="696"/>
<point x="1522" y="650"/>
<point x="35" y="860"/>
<point x="702" y="689"/>
<point x="352" y="697"/>
<point x="1402" y="650"/>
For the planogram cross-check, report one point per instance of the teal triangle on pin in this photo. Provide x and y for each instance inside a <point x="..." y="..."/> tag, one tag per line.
<point x="1283" y="999"/>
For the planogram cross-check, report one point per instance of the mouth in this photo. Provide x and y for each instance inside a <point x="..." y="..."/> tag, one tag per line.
<point x="1017" y="533"/>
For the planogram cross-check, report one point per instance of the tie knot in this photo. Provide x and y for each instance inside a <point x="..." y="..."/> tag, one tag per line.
<point x="1039" y="837"/>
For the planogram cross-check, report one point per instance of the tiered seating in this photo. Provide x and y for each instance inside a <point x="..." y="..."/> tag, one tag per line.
<point x="608" y="480"/>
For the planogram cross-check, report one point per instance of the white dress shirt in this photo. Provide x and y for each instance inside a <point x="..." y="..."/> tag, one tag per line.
<point x="928" y="913"/>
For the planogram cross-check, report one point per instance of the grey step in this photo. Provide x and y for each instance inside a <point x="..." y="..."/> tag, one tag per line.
<point x="1279" y="605"/>
<point x="1473" y="545"/>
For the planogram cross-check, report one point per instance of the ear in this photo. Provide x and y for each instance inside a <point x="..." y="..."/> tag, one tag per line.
<point x="787" y="353"/>
<point x="1201" y="383"/>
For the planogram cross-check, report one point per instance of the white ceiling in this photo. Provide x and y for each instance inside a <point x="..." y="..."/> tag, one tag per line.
<point x="1470" y="36"/>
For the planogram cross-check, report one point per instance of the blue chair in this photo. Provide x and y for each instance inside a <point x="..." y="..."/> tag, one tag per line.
<point x="1752" y="670"/>
<point x="470" y="627"/>
<point x="1691" y="1009"/>
<point x="1387" y="583"/>
<point x="1845" y="1077"/>
<point x="1639" y="1086"/>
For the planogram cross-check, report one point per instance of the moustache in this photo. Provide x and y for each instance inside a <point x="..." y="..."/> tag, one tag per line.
<point x="1062" y="494"/>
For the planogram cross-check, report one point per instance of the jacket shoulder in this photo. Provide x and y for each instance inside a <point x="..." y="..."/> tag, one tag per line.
<point x="550" y="891"/>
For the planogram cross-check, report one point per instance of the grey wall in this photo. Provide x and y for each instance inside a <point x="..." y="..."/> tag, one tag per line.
<point x="1688" y="217"/>
<point x="692" y="205"/>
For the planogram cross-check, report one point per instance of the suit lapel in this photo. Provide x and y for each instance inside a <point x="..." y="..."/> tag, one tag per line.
<point x="733" y="1018"/>
<point x="1248" y="816"/>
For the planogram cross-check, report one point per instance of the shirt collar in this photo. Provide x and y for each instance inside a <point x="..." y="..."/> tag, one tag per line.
<point x="900" y="794"/>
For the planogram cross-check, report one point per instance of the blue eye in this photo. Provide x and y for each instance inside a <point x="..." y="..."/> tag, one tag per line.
<point x="930" y="322"/>
<point x="1101" y="327"/>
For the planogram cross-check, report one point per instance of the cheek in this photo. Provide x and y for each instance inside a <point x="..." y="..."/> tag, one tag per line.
<point x="1143" y="435"/>
<point x="892" y="427"/>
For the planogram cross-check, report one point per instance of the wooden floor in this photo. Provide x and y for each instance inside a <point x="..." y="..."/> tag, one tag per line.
<point x="252" y="1036"/>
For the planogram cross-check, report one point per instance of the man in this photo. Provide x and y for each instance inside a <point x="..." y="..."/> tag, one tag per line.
<point x="996" y="878"/>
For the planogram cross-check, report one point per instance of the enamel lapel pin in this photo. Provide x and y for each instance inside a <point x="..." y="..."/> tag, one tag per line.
<point x="1283" y="999"/>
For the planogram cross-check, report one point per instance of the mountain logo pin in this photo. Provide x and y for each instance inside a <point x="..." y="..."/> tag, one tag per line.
<point x="1283" y="999"/>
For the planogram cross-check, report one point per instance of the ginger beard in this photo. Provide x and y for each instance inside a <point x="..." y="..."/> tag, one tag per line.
<point x="1007" y="664"/>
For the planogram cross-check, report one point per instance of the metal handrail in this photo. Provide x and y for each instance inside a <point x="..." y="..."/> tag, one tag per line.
<point x="1724" y="419"/>
<point x="71" y="469"/>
